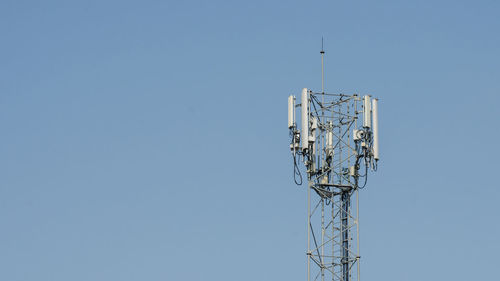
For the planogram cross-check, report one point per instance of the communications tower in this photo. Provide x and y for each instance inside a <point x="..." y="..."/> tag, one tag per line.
<point x="337" y="144"/>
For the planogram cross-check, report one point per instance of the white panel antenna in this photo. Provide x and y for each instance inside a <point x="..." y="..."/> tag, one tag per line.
<point x="304" y="132"/>
<point x="375" y="128"/>
<point x="366" y="112"/>
<point x="291" y="111"/>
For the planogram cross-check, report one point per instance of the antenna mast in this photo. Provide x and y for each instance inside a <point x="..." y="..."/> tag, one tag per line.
<point x="322" y="52"/>
<point x="337" y="153"/>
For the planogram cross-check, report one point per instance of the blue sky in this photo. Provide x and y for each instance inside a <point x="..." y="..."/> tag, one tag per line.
<point x="147" y="140"/>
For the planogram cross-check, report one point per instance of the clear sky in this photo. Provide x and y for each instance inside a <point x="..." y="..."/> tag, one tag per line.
<point x="147" y="140"/>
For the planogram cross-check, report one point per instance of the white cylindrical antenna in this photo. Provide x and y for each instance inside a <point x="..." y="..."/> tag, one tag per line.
<point x="329" y="139"/>
<point x="375" y="128"/>
<point x="329" y="143"/>
<point x="304" y="132"/>
<point x="291" y="111"/>
<point x="366" y="112"/>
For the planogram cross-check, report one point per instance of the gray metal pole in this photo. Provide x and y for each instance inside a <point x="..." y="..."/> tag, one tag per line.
<point x="345" y="235"/>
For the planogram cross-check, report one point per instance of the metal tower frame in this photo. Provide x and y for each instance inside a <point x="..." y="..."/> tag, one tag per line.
<point x="337" y="150"/>
<point x="332" y="224"/>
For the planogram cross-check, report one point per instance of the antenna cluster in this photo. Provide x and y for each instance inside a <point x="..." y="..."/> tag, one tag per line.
<point x="329" y="124"/>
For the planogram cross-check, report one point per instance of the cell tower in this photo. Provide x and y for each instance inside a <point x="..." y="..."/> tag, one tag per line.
<point x="338" y="150"/>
